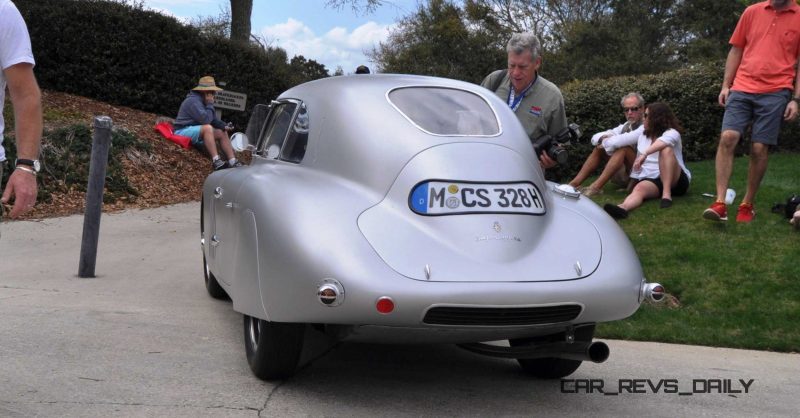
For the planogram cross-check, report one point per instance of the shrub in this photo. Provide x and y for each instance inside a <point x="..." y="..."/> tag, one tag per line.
<point x="124" y="55"/>
<point x="691" y="93"/>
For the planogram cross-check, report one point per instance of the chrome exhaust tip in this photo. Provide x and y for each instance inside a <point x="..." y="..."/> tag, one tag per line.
<point x="330" y="292"/>
<point x="653" y="291"/>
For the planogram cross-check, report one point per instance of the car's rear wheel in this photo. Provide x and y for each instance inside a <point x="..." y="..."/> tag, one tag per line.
<point x="212" y="285"/>
<point x="551" y="367"/>
<point x="273" y="348"/>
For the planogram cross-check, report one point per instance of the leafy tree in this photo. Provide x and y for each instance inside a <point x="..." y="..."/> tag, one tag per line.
<point x="440" y="40"/>
<point x="707" y="27"/>
<point x="214" y="26"/>
<point x="549" y="19"/>
<point x="302" y="70"/>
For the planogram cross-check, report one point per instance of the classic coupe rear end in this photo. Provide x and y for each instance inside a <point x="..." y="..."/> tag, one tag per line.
<point x="404" y="209"/>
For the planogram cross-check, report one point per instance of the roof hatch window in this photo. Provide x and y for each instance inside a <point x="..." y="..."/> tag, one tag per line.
<point x="446" y="111"/>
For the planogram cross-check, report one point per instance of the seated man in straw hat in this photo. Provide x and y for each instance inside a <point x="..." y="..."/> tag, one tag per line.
<point x="197" y="120"/>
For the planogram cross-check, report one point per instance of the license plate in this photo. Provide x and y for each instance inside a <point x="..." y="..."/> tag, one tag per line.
<point x="454" y="198"/>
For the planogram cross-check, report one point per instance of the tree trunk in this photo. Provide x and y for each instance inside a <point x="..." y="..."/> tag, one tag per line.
<point x="240" y="20"/>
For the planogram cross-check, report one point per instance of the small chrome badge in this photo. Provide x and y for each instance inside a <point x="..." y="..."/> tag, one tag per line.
<point x="427" y="271"/>
<point x="497" y="228"/>
<point x="578" y="268"/>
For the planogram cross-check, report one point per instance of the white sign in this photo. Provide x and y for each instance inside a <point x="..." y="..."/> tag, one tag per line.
<point x="230" y="100"/>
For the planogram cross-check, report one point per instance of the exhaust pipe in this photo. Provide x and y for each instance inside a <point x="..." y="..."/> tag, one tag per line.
<point x="652" y="291"/>
<point x="596" y="352"/>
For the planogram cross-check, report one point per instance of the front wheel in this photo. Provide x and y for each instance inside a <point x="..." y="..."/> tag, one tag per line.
<point x="212" y="285"/>
<point x="551" y="367"/>
<point x="273" y="348"/>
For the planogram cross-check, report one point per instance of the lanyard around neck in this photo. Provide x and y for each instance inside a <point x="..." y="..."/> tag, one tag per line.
<point x="515" y="100"/>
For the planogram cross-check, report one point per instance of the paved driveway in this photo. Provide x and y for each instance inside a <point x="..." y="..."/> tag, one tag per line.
<point x="144" y="339"/>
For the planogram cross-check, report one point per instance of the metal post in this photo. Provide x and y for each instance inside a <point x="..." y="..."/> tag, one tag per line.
<point x="101" y="140"/>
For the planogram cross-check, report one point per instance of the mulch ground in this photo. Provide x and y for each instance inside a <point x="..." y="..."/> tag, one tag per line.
<point x="167" y="175"/>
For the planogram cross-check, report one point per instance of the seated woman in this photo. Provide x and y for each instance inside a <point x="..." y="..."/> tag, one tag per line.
<point x="659" y="162"/>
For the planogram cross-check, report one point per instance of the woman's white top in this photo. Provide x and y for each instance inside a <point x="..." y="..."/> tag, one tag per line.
<point x="650" y="166"/>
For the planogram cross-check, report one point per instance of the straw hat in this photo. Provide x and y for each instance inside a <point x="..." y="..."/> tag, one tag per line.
<point x="207" y="84"/>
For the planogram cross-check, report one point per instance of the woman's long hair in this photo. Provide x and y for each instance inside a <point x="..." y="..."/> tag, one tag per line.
<point x="659" y="119"/>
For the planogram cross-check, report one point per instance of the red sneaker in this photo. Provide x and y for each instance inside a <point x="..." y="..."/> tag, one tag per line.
<point x="716" y="212"/>
<point x="745" y="213"/>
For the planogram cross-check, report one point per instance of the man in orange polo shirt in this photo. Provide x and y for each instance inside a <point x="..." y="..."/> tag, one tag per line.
<point x="761" y="87"/>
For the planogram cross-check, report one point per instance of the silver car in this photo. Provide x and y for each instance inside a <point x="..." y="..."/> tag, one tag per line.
<point x="407" y="209"/>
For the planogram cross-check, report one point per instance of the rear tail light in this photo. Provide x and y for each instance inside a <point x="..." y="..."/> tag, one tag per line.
<point x="384" y="305"/>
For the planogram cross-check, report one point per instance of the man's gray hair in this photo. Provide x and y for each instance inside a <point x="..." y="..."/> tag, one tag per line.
<point x="525" y="41"/>
<point x="635" y="95"/>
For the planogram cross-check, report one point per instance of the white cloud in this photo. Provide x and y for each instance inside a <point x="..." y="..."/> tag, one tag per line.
<point x="337" y="47"/>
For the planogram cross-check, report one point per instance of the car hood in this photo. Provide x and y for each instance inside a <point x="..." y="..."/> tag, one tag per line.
<point x="556" y="243"/>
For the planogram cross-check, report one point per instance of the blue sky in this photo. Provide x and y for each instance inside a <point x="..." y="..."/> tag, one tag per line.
<point x="307" y="27"/>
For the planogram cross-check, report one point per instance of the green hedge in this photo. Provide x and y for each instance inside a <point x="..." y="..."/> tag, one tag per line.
<point x="691" y="93"/>
<point x="127" y="56"/>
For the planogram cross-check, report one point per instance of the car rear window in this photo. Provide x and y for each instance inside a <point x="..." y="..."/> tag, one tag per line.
<point x="446" y="111"/>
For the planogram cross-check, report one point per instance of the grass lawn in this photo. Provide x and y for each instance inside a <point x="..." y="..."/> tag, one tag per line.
<point x="736" y="285"/>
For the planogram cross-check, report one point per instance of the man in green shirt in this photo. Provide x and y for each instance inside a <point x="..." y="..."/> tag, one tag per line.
<point x="538" y="103"/>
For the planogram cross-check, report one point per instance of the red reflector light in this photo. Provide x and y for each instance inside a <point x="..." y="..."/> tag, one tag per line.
<point x="384" y="305"/>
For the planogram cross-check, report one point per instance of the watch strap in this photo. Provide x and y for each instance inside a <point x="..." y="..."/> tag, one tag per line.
<point x="25" y="161"/>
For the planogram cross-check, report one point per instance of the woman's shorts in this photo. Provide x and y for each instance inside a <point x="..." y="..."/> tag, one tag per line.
<point x="680" y="189"/>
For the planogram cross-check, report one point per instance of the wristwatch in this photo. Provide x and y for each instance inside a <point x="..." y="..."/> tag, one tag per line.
<point x="32" y="163"/>
<point x="796" y="99"/>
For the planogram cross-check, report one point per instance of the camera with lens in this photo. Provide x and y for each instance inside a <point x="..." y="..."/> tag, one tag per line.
<point x="554" y="145"/>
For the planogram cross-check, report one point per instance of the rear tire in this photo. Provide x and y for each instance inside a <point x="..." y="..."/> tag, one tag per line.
<point x="273" y="348"/>
<point x="551" y="367"/>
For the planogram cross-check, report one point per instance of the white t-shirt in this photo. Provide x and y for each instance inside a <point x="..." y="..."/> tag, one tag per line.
<point x="15" y="48"/>
<point x="650" y="166"/>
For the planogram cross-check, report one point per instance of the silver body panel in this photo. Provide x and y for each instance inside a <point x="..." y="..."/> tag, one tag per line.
<point x="343" y="212"/>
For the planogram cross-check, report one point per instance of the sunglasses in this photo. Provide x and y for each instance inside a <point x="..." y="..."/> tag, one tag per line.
<point x="630" y="109"/>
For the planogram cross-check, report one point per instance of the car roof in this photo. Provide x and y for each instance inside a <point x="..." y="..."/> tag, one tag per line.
<point x="356" y="130"/>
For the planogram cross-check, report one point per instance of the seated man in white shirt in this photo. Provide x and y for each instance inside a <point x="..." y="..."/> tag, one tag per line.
<point x="616" y="147"/>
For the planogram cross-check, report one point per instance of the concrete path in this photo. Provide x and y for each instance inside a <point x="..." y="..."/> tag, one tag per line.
<point x="144" y="339"/>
